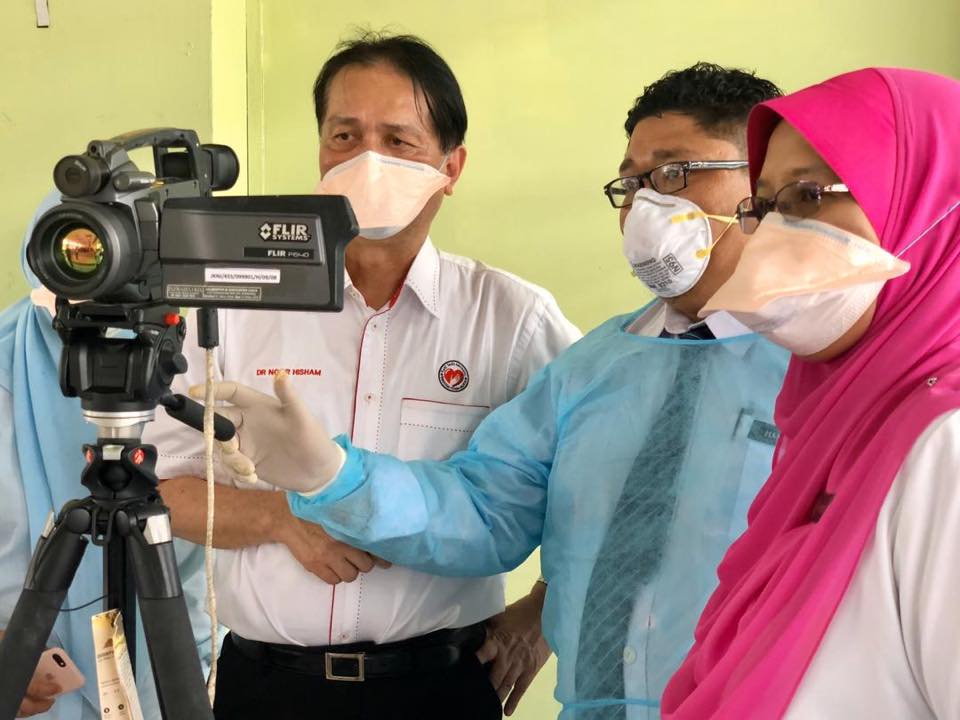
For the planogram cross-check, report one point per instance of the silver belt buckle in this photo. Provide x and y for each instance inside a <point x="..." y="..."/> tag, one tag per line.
<point x="328" y="666"/>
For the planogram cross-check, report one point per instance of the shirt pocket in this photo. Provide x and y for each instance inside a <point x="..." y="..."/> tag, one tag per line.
<point x="434" y="430"/>
<point x="760" y="439"/>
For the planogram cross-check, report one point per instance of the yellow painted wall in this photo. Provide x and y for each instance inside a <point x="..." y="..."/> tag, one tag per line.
<point x="101" y="68"/>
<point x="228" y="69"/>
<point x="547" y="85"/>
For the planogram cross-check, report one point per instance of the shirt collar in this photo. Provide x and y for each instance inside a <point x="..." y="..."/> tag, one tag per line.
<point x="721" y="324"/>
<point x="423" y="278"/>
<point x="660" y="316"/>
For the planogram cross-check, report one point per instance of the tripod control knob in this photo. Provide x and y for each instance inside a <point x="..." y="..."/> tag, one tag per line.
<point x="78" y="520"/>
<point x="173" y="363"/>
<point x="179" y="362"/>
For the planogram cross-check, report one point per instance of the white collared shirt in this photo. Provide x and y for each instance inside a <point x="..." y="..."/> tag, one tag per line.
<point x="892" y="649"/>
<point x="412" y="379"/>
<point x="661" y="316"/>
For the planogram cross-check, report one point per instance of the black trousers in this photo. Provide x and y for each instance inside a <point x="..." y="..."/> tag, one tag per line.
<point x="255" y="690"/>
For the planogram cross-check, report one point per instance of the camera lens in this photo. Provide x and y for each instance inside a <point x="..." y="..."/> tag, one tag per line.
<point x="59" y="660"/>
<point x="79" y="251"/>
<point x="84" y="251"/>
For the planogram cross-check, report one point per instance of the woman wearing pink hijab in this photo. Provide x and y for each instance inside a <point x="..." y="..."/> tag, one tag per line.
<point x="842" y="598"/>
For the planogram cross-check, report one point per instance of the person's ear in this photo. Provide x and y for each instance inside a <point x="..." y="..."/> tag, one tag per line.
<point x="456" y="159"/>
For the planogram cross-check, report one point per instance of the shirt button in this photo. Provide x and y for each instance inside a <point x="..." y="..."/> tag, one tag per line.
<point x="629" y="655"/>
<point x="369" y="397"/>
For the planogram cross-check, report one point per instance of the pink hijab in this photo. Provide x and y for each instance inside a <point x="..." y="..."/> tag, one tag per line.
<point x="893" y="136"/>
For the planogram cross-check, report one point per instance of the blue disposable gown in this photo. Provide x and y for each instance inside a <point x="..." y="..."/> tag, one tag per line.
<point x="41" y="458"/>
<point x="548" y="467"/>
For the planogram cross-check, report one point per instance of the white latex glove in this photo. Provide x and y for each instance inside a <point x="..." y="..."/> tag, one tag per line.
<point x="277" y="440"/>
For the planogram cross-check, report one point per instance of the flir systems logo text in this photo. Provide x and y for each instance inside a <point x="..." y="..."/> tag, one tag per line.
<point x="285" y="232"/>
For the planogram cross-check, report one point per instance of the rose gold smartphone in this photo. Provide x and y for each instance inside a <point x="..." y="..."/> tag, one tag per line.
<point x="55" y="665"/>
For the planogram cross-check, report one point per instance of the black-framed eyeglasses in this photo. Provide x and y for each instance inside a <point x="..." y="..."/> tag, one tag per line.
<point x="801" y="199"/>
<point x="665" y="179"/>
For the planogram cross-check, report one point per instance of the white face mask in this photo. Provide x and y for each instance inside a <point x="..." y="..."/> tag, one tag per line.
<point x="803" y="283"/>
<point x="667" y="241"/>
<point x="386" y="193"/>
<point x="43" y="298"/>
<point x="807" y="324"/>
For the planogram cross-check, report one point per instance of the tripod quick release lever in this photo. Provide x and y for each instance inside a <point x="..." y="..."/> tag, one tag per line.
<point x="190" y="412"/>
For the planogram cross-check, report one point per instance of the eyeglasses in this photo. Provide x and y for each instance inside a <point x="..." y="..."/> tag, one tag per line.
<point x="665" y="179"/>
<point x="801" y="199"/>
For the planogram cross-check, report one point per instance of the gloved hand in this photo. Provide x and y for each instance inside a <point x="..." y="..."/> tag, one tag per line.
<point x="277" y="440"/>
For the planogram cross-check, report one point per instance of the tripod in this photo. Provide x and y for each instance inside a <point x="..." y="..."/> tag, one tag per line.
<point x="120" y="382"/>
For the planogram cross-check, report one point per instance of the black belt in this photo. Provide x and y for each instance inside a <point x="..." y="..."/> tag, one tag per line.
<point x="362" y="661"/>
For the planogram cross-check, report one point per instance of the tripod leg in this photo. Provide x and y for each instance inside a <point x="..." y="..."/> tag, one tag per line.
<point x="166" y="623"/>
<point x="120" y="590"/>
<point x="54" y="563"/>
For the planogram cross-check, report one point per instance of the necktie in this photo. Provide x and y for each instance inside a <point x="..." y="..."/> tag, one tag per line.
<point x="697" y="332"/>
<point x="634" y="543"/>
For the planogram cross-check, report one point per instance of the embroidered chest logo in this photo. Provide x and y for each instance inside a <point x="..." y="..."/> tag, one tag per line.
<point x="453" y="376"/>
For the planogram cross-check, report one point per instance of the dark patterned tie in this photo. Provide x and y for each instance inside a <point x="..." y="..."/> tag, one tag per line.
<point x="697" y="332"/>
<point x="643" y="512"/>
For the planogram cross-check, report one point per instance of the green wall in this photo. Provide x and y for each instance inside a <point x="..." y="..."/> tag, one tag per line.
<point x="101" y="68"/>
<point x="547" y="85"/>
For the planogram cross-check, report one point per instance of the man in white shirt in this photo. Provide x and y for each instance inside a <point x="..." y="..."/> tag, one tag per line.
<point x="427" y="345"/>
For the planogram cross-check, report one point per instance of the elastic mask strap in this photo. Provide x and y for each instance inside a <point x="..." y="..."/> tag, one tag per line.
<point x="931" y="227"/>
<point x="695" y="214"/>
<point x="730" y="223"/>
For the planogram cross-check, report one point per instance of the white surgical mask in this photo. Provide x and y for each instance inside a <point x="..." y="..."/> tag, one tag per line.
<point x="803" y="283"/>
<point x="667" y="240"/>
<point x="43" y="298"/>
<point x="807" y="324"/>
<point x="386" y="193"/>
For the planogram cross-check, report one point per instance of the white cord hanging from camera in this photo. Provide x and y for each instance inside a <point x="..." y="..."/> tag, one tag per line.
<point x="208" y="555"/>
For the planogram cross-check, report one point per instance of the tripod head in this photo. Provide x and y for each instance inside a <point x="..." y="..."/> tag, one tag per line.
<point x="120" y="360"/>
<point x="121" y="376"/>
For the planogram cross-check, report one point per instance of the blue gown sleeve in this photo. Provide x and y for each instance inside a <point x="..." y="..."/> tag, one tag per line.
<point x="479" y="513"/>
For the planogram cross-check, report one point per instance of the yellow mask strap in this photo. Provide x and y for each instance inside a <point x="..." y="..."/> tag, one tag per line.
<point x="730" y="223"/>
<point x="695" y="214"/>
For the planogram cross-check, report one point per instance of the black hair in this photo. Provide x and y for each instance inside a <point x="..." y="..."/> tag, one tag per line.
<point x="414" y="58"/>
<point x="719" y="99"/>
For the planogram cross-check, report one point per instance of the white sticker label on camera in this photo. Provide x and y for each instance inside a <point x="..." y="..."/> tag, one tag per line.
<point x="242" y="275"/>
